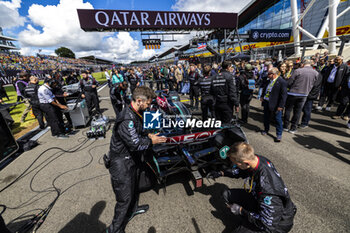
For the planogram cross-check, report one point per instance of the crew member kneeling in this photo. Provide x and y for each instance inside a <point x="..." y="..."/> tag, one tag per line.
<point x="126" y="147"/>
<point x="265" y="204"/>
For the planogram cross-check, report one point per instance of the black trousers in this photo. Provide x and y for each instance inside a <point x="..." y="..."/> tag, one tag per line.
<point x="3" y="228"/>
<point x="330" y="94"/>
<point x="92" y="102"/>
<point x="39" y="115"/>
<point x="194" y="97"/>
<point x="171" y="85"/>
<point x="224" y="112"/>
<point x="62" y="100"/>
<point x="207" y="106"/>
<point x="245" y="101"/>
<point x="248" y="202"/>
<point x="344" y="101"/>
<point x="54" y="118"/>
<point x="117" y="102"/>
<point x="159" y="84"/>
<point x="124" y="175"/>
<point x="295" y="104"/>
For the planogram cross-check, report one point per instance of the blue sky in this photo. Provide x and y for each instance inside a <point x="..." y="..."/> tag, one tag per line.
<point x="49" y="24"/>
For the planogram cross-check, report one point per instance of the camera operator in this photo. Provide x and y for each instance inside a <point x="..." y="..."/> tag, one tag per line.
<point x="52" y="108"/>
<point x="88" y="86"/>
<point x="126" y="147"/>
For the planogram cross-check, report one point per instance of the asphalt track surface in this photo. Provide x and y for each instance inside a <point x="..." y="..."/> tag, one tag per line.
<point x="314" y="163"/>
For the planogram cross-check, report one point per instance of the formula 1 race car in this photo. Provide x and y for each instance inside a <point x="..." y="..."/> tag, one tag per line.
<point x="196" y="150"/>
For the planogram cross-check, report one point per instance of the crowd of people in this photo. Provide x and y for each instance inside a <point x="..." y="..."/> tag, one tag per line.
<point x="287" y="89"/>
<point x="13" y="61"/>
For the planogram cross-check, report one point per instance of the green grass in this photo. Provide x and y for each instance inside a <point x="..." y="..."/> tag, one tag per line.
<point x="16" y="113"/>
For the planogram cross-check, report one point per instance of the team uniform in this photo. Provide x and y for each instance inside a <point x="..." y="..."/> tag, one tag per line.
<point x="127" y="145"/>
<point x="268" y="206"/>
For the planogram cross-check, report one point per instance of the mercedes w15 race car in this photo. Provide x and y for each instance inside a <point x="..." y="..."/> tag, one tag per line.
<point x="196" y="150"/>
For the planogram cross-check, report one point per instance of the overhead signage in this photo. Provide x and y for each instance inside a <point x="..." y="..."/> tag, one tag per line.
<point x="126" y="20"/>
<point x="151" y="43"/>
<point x="268" y="35"/>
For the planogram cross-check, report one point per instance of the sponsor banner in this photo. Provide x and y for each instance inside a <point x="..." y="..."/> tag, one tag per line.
<point x="267" y="35"/>
<point x="7" y="75"/>
<point x="125" y="20"/>
<point x="344" y="30"/>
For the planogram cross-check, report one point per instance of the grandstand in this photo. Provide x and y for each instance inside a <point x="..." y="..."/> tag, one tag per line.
<point x="6" y="44"/>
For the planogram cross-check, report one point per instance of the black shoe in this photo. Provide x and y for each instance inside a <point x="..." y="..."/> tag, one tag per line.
<point x="141" y="209"/>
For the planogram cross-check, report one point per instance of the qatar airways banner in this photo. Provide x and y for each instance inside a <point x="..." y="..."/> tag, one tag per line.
<point x="125" y="20"/>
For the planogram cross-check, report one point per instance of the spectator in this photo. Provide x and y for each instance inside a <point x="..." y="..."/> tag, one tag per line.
<point x="171" y="79"/>
<point x="283" y="70"/>
<point x="335" y="77"/>
<point x="314" y="93"/>
<point x="194" y="77"/>
<point x="275" y="95"/>
<point x="344" y="99"/>
<point x="179" y="75"/>
<point x="300" y="85"/>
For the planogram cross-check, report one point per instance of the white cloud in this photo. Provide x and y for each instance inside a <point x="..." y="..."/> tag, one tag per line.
<point x="122" y="48"/>
<point x="210" y="5"/>
<point x="58" y="25"/>
<point x="9" y="16"/>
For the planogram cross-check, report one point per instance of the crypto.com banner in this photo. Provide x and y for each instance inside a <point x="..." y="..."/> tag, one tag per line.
<point x="267" y="35"/>
<point x="126" y="20"/>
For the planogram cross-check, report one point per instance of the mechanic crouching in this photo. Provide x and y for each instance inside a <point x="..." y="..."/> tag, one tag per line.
<point x="88" y="87"/>
<point x="264" y="205"/>
<point x="126" y="148"/>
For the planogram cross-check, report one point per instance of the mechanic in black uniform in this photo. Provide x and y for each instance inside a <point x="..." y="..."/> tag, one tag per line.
<point x="225" y="94"/>
<point x="126" y="148"/>
<point x="60" y="96"/>
<point x="246" y="91"/>
<point x="265" y="204"/>
<point x="207" y="99"/>
<point x="194" y="77"/>
<point x="88" y="86"/>
<point x="133" y="80"/>
<point x="31" y="92"/>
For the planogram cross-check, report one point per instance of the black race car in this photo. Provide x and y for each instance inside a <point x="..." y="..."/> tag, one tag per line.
<point x="189" y="149"/>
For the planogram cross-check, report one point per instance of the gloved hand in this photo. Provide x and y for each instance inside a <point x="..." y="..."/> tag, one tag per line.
<point x="235" y="209"/>
<point x="214" y="174"/>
